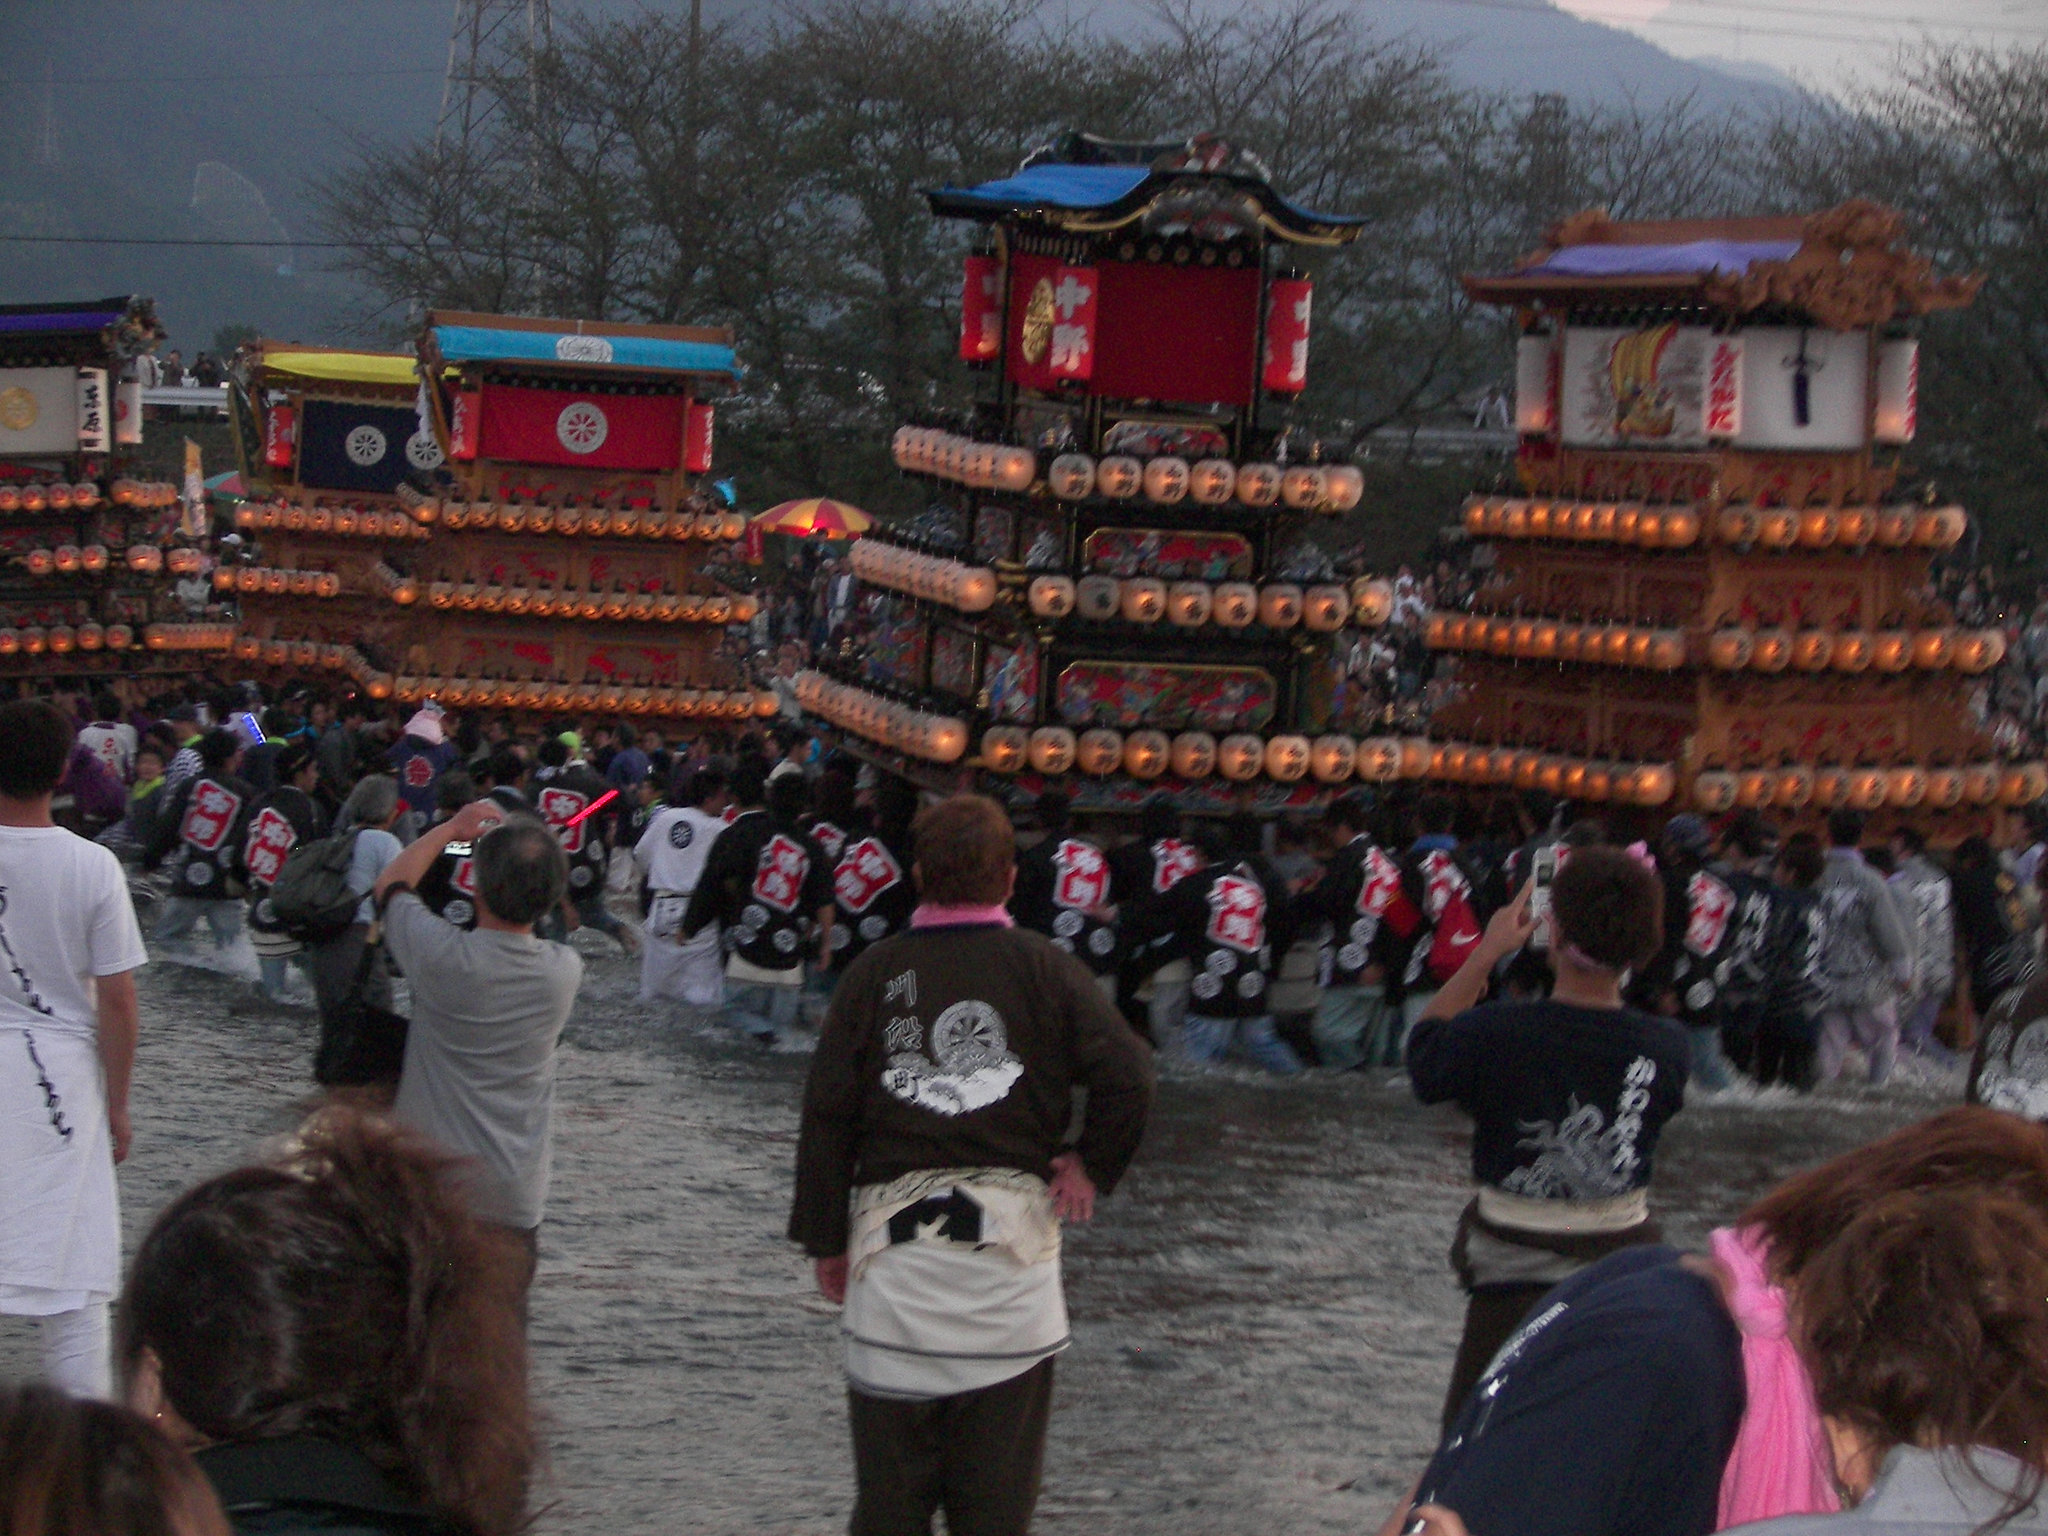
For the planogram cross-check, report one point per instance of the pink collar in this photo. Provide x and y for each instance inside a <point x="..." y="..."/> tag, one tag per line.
<point x="933" y="915"/>
<point x="1782" y="1463"/>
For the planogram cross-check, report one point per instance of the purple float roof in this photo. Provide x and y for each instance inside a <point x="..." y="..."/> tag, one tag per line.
<point x="1733" y="257"/>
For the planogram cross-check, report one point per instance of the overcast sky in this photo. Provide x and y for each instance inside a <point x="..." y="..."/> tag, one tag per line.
<point x="1825" y="43"/>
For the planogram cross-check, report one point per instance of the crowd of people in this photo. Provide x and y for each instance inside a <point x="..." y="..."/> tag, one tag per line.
<point x="341" y="1326"/>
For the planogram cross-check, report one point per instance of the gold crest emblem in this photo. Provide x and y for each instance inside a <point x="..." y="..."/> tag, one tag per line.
<point x="1038" y="318"/>
<point x="18" y="408"/>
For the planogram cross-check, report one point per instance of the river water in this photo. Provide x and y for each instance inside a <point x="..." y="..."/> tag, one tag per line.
<point x="1263" y="1314"/>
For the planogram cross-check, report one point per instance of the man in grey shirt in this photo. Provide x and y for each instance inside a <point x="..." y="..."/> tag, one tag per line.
<point x="487" y="1006"/>
<point x="1866" y="955"/>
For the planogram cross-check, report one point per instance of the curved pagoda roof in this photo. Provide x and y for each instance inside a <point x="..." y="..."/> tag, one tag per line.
<point x="1201" y="186"/>
<point x="121" y="327"/>
<point x="1845" y="268"/>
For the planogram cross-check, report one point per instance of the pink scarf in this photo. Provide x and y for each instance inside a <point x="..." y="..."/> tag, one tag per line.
<point x="1781" y="1464"/>
<point x="932" y="915"/>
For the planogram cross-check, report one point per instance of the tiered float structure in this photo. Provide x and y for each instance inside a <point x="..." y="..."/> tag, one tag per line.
<point x="1707" y="594"/>
<point x="88" y="553"/>
<point x="511" y="524"/>
<point x="1114" y="588"/>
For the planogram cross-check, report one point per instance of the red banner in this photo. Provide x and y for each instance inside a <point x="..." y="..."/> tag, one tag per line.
<point x="1177" y="333"/>
<point x="1287" y="306"/>
<point x="981" y="310"/>
<point x="584" y="431"/>
<point x="697" y="437"/>
<point x="1052" y="322"/>
<point x="281" y="431"/>
<point x="463" y="416"/>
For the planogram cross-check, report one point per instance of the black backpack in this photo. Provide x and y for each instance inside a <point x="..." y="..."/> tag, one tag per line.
<point x="311" y="898"/>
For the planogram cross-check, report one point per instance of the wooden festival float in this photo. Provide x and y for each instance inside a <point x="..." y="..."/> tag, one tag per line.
<point x="1707" y="594"/>
<point x="522" y="532"/>
<point x="1114" y="589"/>
<point x="88" y="552"/>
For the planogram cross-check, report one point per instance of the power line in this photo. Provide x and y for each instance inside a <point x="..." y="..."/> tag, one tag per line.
<point x="293" y="245"/>
<point x="242" y="77"/>
<point x="1747" y="28"/>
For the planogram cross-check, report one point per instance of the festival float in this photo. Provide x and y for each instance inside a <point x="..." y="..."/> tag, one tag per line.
<point x="508" y="520"/>
<point x="1115" y="587"/>
<point x="88" y="552"/>
<point x="1708" y="593"/>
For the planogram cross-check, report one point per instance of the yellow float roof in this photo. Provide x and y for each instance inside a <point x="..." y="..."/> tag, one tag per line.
<point x="393" y="368"/>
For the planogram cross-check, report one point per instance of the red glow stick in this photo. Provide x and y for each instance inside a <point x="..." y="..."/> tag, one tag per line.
<point x="591" y="809"/>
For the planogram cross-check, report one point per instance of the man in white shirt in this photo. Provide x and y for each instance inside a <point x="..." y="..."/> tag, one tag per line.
<point x="671" y="854"/>
<point x="69" y="949"/>
<point x="110" y="738"/>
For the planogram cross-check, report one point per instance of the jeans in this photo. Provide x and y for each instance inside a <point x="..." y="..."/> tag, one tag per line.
<point x="1412" y="1007"/>
<point x="1169" y="1005"/>
<point x="1873" y="1028"/>
<point x="1207" y="1039"/>
<point x="766" y="1010"/>
<point x="182" y="915"/>
<point x="1710" y="1069"/>
<point x="1916" y="1031"/>
<point x="276" y="970"/>
<point x="1350" y="1028"/>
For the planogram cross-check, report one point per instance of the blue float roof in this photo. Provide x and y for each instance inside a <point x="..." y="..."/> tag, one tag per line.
<point x="1724" y="258"/>
<point x="591" y="346"/>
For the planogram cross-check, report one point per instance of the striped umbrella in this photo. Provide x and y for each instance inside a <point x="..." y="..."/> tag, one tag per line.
<point x="815" y="517"/>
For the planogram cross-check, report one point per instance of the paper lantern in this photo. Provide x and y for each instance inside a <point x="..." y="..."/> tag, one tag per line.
<point x="1071" y="477"/>
<point x="1853" y="651"/>
<point x="1816" y="527"/>
<point x="1714" y="792"/>
<point x="1729" y="649"/>
<point x="1301" y="487"/>
<point x="91" y="636"/>
<point x="1052" y="749"/>
<point x="1478" y="518"/>
<point x="1753" y="787"/>
<point x="1372" y="602"/>
<point x="1119" y="477"/>
<point x="1933" y="649"/>
<point x="1452" y="761"/>
<point x="1212" y="481"/>
<point x="976" y="591"/>
<point x="1655" y="784"/>
<point x="1287" y="758"/>
<point x="1258" y="485"/>
<point x="1550" y="773"/>
<point x="1325" y="608"/>
<point x="1143" y="600"/>
<point x="1166" y="479"/>
<point x="1667" y="649"/>
<point x="1417" y="753"/>
<point x="1895" y="527"/>
<point x="1980" y="783"/>
<point x="1855" y="527"/>
<point x="1379" y="759"/>
<point x="1003" y="748"/>
<point x="1101" y="751"/>
<point x="1771" y="650"/>
<point x="1514" y="520"/>
<point x="1649" y="528"/>
<point x="1280" y="605"/>
<point x="1545" y="519"/>
<point x="119" y="637"/>
<point x="1944" y="788"/>
<point x="1977" y="650"/>
<point x="1778" y="528"/>
<point x="1343" y="488"/>
<point x="945" y="739"/>
<point x="1830" y="787"/>
<point x="1681" y="528"/>
<point x="1240" y="757"/>
<point x="1097" y="597"/>
<point x="1188" y="603"/>
<point x="1015" y="469"/>
<point x="1940" y="527"/>
<point x="1866" y="790"/>
<point x="1236" y="604"/>
<point x="1333" y="759"/>
<point x="1571" y="642"/>
<point x="1194" y="754"/>
<point x="1812" y="649"/>
<point x="2033" y="783"/>
<point x="1794" y="788"/>
<point x="1285" y="370"/>
<point x="1050" y="597"/>
<point x="1147" y="754"/>
<point x="1905" y="787"/>
<point x="1891" y="650"/>
<point x="1740" y="526"/>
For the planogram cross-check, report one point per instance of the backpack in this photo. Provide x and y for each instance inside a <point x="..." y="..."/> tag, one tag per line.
<point x="311" y="898"/>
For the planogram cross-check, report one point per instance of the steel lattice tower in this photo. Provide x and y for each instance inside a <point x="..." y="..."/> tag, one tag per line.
<point x="483" y="33"/>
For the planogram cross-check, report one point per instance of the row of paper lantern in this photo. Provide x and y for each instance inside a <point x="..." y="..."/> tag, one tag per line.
<point x="604" y="698"/>
<point x="1230" y="604"/>
<point x="59" y="639"/>
<point x="358" y="522"/>
<point x="276" y="581"/>
<point x="589" y="522"/>
<point x="1165" y="480"/>
<point x="189" y="637"/>
<point x="1680" y="527"/>
<point x="937" y="579"/>
<point x="92" y="559"/>
<point x="573" y="602"/>
<point x="1908" y="786"/>
<point x="57" y="496"/>
<point x="1731" y="649"/>
<point x="921" y="733"/>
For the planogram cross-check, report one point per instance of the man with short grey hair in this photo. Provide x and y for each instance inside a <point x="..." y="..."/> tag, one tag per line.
<point x="487" y="1006"/>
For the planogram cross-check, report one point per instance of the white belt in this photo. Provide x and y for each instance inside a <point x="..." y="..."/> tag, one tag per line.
<point x="1615" y="1214"/>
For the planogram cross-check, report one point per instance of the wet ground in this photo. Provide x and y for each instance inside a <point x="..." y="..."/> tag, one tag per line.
<point x="1263" y="1314"/>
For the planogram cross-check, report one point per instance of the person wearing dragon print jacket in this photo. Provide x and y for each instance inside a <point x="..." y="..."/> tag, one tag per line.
<point x="934" y="1167"/>
<point x="1568" y="1096"/>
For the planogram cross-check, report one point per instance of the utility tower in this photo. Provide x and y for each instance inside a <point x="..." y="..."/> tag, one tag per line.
<point x="484" y="33"/>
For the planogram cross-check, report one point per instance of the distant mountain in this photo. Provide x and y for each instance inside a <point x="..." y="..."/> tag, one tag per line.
<point x="209" y="119"/>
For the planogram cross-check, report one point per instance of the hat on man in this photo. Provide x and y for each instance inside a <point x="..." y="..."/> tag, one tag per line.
<point x="427" y="726"/>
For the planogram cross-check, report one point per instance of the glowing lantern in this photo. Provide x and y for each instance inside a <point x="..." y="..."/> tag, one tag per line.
<point x="1891" y="650"/>
<point x="1975" y="650"/>
<point x="1667" y="649"/>
<point x="1417" y="753"/>
<point x="1119" y="477"/>
<point x="976" y="591"/>
<point x="1166" y="479"/>
<point x="1738" y="525"/>
<point x="1779" y="528"/>
<point x="1940" y="528"/>
<point x="1343" y="488"/>
<point x="91" y="636"/>
<point x="1542" y="519"/>
<point x="1571" y="642"/>
<point x="2033" y="783"/>
<point x="1980" y="783"/>
<point x="1097" y="597"/>
<point x="119" y="637"/>
<point x="1681" y="528"/>
<point x="1655" y="784"/>
<point x="1301" y="487"/>
<point x="1600" y="521"/>
<point x="1816" y="527"/>
<point x="1052" y="749"/>
<point x="1003" y="748"/>
<point x="1729" y="649"/>
<point x="1143" y="600"/>
<point x="1830" y="787"/>
<point x="1372" y="602"/>
<point x="1794" y="789"/>
<point x="1753" y="787"/>
<point x="1550" y="773"/>
<point x="1188" y="603"/>
<point x="1895" y="527"/>
<point x="1478" y="519"/>
<point x="1101" y="751"/>
<point x="1236" y="604"/>
<point x="1240" y="757"/>
<point x="40" y="562"/>
<point x="1015" y="469"/>
<point x="1771" y="650"/>
<point x="1853" y="651"/>
<point x="1855" y="527"/>
<point x="1287" y="758"/>
<point x="1194" y="754"/>
<point x="1905" y="787"/>
<point x="1258" y="485"/>
<point x="1333" y="759"/>
<point x="1944" y="788"/>
<point x="1812" y="649"/>
<point x="1933" y="649"/>
<point x="1866" y="790"/>
<point x="1072" y="476"/>
<point x="1280" y="605"/>
<point x="1379" y="759"/>
<point x="1714" y="792"/>
<point x="1212" y="481"/>
<point x="1325" y="608"/>
<point x="1514" y="520"/>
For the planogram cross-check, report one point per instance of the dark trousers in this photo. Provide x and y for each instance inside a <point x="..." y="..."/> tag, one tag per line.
<point x="976" y="1455"/>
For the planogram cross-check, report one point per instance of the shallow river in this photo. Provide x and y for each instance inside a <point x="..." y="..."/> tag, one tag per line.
<point x="1263" y="1314"/>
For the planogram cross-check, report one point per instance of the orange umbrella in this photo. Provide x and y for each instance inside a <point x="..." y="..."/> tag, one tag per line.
<point x="815" y="517"/>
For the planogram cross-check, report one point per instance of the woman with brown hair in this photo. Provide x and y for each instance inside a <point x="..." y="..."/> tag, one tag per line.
<point x="1872" y="1337"/>
<point x="338" y="1340"/>
<point x="75" y="1467"/>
